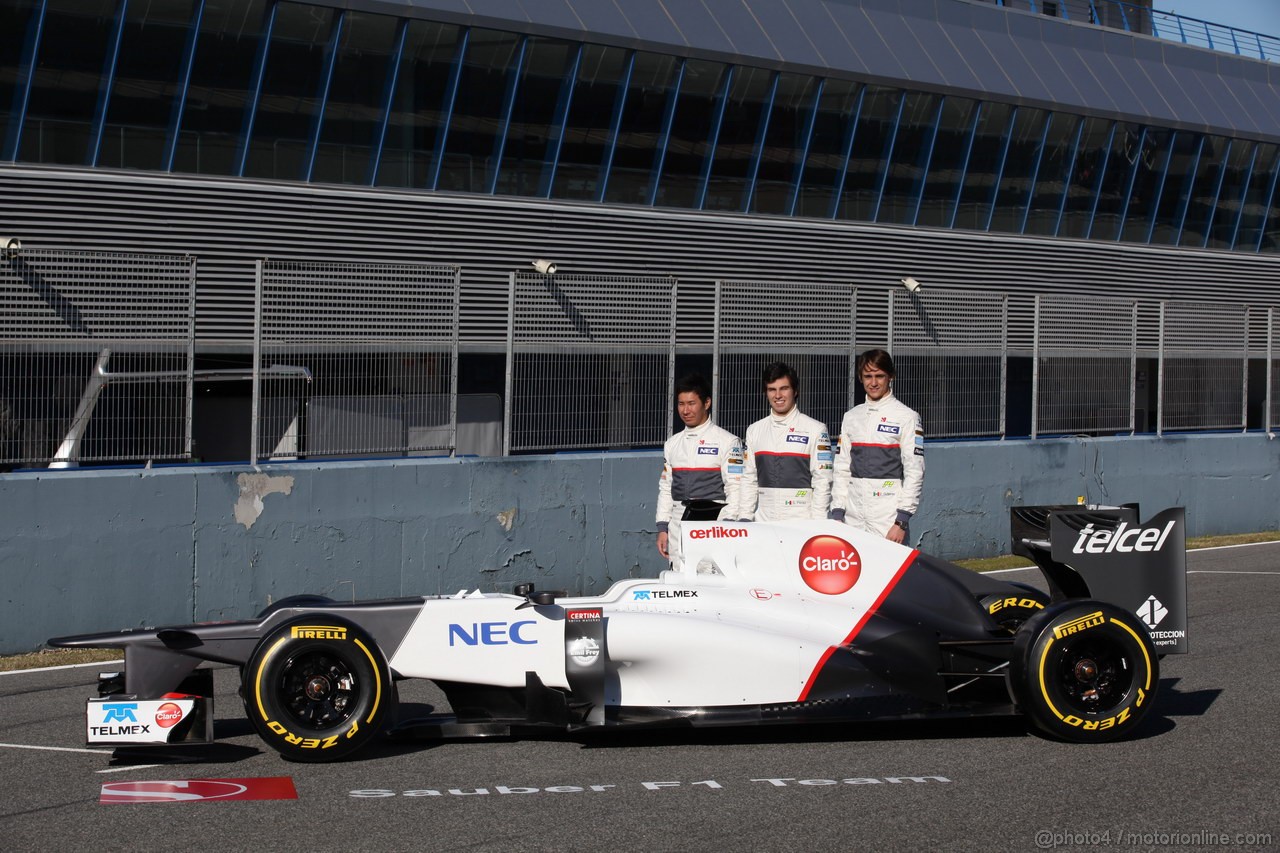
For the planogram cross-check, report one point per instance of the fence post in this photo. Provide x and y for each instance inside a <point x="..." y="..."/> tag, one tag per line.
<point x="453" y="380"/>
<point x="671" y="357"/>
<point x="1133" y="372"/>
<point x="257" y="362"/>
<point x="852" y="386"/>
<point x="1244" y="391"/>
<point x="715" y="348"/>
<point x="1160" y="377"/>
<point x="189" y="441"/>
<point x="1035" y="367"/>
<point x="1004" y="366"/>
<point x="1271" y="355"/>
<point x="510" y="379"/>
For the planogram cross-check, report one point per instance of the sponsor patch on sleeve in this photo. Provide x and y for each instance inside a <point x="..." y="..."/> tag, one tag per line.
<point x="824" y="456"/>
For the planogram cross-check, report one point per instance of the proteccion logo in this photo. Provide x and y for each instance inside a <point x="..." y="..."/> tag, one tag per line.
<point x="829" y="565"/>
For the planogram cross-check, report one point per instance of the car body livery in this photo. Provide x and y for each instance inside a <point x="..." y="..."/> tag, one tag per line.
<point x="757" y="623"/>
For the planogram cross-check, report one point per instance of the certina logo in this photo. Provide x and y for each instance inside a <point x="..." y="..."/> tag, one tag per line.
<point x="798" y="439"/>
<point x="318" y="632"/>
<point x="718" y="533"/>
<point x="829" y="565"/>
<point x="889" y="428"/>
<point x="708" y="451"/>
<point x="1075" y="626"/>
<point x="1123" y="540"/>
<point x="491" y="634"/>
<point x="582" y="615"/>
<point x="650" y="594"/>
<point x="168" y="715"/>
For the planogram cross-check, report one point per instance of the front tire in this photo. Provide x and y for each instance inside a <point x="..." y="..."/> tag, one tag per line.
<point x="317" y="689"/>
<point x="1084" y="671"/>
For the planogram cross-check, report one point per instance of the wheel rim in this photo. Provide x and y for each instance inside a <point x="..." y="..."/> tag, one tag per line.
<point x="1094" y="675"/>
<point x="318" y="690"/>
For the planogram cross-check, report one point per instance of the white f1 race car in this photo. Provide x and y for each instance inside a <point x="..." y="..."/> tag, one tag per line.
<point x="755" y="624"/>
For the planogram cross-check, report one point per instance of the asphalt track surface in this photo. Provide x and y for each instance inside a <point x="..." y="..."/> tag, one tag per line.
<point x="1201" y="773"/>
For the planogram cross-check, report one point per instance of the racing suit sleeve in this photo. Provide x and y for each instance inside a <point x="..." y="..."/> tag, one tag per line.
<point x="665" y="503"/>
<point x="749" y="488"/>
<point x="841" y="473"/>
<point x="731" y="471"/>
<point x="911" y="445"/>
<point x="820" y="474"/>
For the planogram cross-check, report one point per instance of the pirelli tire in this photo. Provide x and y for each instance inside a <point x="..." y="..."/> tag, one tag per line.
<point x="1011" y="610"/>
<point x="317" y="688"/>
<point x="1084" y="671"/>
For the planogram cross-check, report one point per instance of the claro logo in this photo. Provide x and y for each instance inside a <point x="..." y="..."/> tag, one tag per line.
<point x="1124" y="539"/>
<point x="718" y="533"/>
<point x="829" y="565"/>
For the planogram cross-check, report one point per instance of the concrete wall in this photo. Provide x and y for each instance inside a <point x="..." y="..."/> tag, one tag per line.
<point x="92" y="550"/>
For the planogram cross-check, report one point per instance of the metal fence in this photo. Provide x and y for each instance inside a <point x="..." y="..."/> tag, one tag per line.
<point x="950" y="348"/>
<point x="1084" y="367"/>
<point x="95" y="356"/>
<point x="1271" y="415"/>
<point x="354" y="359"/>
<point x="590" y="361"/>
<point x="809" y="326"/>
<point x="1204" y="366"/>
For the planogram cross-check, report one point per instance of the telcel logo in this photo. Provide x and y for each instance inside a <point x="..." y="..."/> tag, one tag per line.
<point x="718" y="533"/>
<point x="1124" y="539"/>
<point x="491" y="634"/>
<point x="829" y="565"/>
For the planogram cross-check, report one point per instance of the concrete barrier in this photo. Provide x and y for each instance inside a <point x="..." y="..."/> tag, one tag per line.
<point x="87" y="550"/>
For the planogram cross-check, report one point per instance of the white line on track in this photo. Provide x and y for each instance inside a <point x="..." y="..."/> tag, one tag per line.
<point x="1225" y="572"/>
<point x="1241" y="545"/>
<point x="127" y="767"/>
<point x="102" y="663"/>
<point x="55" y="748"/>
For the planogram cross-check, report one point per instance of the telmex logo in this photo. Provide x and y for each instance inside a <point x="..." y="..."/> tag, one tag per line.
<point x="1075" y="626"/>
<point x="120" y="712"/>
<point x="318" y="632"/>
<point x="829" y="565"/>
<point x="1124" y="539"/>
<point x="718" y="533"/>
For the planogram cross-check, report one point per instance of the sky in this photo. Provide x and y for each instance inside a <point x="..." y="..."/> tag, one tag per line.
<point x="1260" y="16"/>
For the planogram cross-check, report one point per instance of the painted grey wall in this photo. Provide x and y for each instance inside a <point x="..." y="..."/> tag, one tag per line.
<point x="91" y="550"/>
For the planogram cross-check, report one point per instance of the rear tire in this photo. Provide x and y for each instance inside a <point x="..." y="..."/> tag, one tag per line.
<point x="1011" y="611"/>
<point x="318" y="689"/>
<point x="1084" y="671"/>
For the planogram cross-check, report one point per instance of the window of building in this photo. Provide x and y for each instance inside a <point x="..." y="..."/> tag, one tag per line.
<point x="747" y="115"/>
<point x="983" y="170"/>
<point x="1018" y="172"/>
<point x="210" y="135"/>
<point x="794" y="103"/>
<point x="872" y="144"/>
<point x="913" y="146"/>
<point x="67" y="82"/>
<point x="946" y="164"/>
<point x="703" y="89"/>
<point x="594" y="109"/>
<point x="537" y="117"/>
<point x="480" y="110"/>
<point x="1259" y="198"/>
<point x="1053" y="175"/>
<point x="1235" y="180"/>
<point x="1128" y="148"/>
<point x="824" y="167"/>
<point x="1090" y="163"/>
<point x="1205" y="185"/>
<point x="356" y="100"/>
<point x="651" y="88"/>
<point x="1148" y="181"/>
<point x="420" y="104"/>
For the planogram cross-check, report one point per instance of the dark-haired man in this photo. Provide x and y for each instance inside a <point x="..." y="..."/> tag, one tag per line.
<point x="789" y="459"/>
<point x="880" y="469"/>
<point x="701" y="462"/>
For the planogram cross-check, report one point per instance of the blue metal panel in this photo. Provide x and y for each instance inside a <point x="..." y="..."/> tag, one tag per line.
<point x="722" y="101"/>
<point x="765" y="117"/>
<point x="180" y="104"/>
<point x="1035" y="173"/>
<point x="668" y="117"/>
<point x="1217" y="193"/>
<point x="1071" y="173"/>
<point x="388" y="99"/>
<point x="22" y="85"/>
<point x="1004" y="156"/>
<point x="808" y="140"/>
<point x="104" y="85"/>
<point x="1164" y="179"/>
<point x="1191" y="187"/>
<point x="964" y="170"/>
<point x="548" y="178"/>
<point x="1102" y="171"/>
<point x="1266" y="208"/>
<point x="259" y="72"/>
<point x="1244" y="194"/>
<point x="848" y="152"/>
<point x="508" y="105"/>
<point x="455" y="74"/>
<point x="928" y="160"/>
<point x="330" y="60"/>
<point x="615" y="125"/>
<point x="888" y="156"/>
<point x="1133" y="176"/>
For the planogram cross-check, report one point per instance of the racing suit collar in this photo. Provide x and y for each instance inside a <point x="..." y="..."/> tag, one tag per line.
<point x="883" y="401"/>
<point x="700" y="429"/>
<point x="788" y="419"/>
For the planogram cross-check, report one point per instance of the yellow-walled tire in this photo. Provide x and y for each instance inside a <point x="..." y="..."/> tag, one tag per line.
<point x="318" y="689"/>
<point x="1084" y="671"/>
<point x="1010" y="611"/>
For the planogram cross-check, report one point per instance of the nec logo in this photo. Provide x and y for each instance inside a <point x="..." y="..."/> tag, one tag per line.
<point x="889" y="428"/>
<point x="708" y="451"/>
<point x="490" y="634"/>
<point x="120" y="712"/>
<point x="1123" y="540"/>
<point x="798" y="439"/>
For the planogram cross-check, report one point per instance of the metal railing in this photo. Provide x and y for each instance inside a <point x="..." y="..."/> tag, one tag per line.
<point x="1084" y="367"/>
<point x="1204" y="366"/>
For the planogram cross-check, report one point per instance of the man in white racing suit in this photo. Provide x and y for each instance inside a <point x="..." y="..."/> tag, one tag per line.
<point x="789" y="458"/>
<point x="879" y="471"/>
<point x="701" y="462"/>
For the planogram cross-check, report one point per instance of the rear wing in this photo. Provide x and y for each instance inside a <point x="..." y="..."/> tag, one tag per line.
<point x="1106" y="553"/>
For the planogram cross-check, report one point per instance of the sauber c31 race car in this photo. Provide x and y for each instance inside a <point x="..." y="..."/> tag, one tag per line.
<point x="754" y="624"/>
